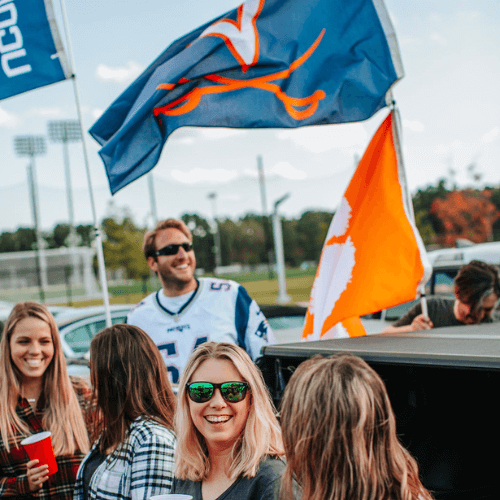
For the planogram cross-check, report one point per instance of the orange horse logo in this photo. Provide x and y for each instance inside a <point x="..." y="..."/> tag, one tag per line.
<point x="242" y="40"/>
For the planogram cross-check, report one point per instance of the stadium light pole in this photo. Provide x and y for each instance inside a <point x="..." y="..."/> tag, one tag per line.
<point x="213" y="197"/>
<point x="32" y="146"/>
<point x="283" y="297"/>
<point x="66" y="131"/>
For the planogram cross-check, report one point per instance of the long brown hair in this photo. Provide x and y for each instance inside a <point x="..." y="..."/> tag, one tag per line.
<point x="339" y="433"/>
<point x="130" y="380"/>
<point x="63" y="415"/>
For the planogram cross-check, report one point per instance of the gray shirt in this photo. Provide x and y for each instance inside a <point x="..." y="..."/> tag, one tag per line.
<point x="264" y="486"/>
<point x="440" y="313"/>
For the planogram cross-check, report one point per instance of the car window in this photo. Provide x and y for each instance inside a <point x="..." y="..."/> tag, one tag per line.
<point x="443" y="282"/>
<point x="286" y="322"/>
<point x="394" y="313"/>
<point x="79" y="339"/>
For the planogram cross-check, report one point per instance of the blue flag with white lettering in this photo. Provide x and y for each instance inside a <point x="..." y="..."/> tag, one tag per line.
<point x="269" y="63"/>
<point x="31" y="52"/>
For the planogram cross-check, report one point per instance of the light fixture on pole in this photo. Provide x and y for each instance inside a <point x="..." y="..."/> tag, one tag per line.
<point x="31" y="145"/>
<point x="213" y="197"/>
<point x="283" y="297"/>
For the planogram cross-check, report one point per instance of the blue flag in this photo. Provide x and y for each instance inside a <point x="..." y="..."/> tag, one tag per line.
<point x="31" y="52"/>
<point x="269" y="63"/>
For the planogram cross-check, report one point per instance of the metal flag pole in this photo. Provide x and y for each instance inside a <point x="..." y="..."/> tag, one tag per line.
<point x="98" y="238"/>
<point x="407" y="202"/>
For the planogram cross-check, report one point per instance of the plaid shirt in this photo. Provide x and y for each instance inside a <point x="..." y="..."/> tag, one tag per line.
<point x="142" y="466"/>
<point x="13" y="478"/>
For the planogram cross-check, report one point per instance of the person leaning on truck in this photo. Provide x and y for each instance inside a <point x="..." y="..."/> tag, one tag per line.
<point x="477" y="290"/>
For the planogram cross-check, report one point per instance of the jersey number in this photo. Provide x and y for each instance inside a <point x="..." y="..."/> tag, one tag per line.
<point x="171" y="352"/>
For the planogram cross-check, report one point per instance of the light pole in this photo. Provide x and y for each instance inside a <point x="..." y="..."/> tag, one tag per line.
<point x="283" y="297"/>
<point x="66" y="131"/>
<point x="213" y="197"/>
<point x="31" y="145"/>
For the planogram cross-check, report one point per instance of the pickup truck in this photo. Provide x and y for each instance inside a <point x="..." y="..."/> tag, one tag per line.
<point x="444" y="389"/>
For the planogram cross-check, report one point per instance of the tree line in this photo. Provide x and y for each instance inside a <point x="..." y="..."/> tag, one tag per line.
<point x="443" y="214"/>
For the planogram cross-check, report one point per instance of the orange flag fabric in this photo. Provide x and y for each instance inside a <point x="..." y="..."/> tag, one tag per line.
<point x="373" y="256"/>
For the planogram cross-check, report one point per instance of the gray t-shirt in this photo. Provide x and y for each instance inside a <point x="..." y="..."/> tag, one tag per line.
<point x="264" y="486"/>
<point x="440" y="312"/>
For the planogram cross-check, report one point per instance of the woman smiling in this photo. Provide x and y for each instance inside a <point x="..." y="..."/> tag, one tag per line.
<point x="229" y="441"/>
<point x="36" y="394"/>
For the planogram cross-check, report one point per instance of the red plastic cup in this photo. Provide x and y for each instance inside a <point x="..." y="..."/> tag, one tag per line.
<point x="39" y="447"/>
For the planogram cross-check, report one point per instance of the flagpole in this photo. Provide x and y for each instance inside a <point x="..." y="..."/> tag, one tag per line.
<point x="404" y="186"/>
<point x="97" y="231"/>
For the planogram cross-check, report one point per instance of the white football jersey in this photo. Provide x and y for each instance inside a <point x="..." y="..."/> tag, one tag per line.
<point x="218" y="311"/>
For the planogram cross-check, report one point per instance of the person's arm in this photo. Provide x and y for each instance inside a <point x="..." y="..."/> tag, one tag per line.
<point x="412" y="321"/>
<point x="152" y="471"/>
<point x="254" y="331"/>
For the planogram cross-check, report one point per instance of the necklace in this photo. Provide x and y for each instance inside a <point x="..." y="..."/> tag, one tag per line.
<point x="31" y="400"/>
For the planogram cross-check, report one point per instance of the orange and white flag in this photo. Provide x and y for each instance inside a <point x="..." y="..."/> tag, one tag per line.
<point x="373" y="257"/>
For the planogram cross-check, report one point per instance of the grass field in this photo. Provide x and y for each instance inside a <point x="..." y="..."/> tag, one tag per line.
<point x="258" y="285"/>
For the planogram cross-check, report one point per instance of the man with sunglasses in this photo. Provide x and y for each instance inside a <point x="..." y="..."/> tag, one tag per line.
<point x="188" y="311"/>
<point x="477" y="290"/>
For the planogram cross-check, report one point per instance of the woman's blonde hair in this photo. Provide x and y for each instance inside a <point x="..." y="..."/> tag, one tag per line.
<point x="261" y="436"/>
<point x="339" y="433"/>
<point x="63" y="415"/>
<point x="130" y="380"/>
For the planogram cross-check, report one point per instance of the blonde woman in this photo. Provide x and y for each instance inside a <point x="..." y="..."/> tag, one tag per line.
<point x="229" y="441"/>
<point x="36" y="394"/>
<point x="339" y="433"/>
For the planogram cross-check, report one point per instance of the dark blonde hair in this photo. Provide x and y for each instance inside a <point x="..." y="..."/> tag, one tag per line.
<point x="261" y="436"/>
<point x="130" y="380"/>
<point x="63" y="416"/>
<point x="339" y="433"/>
<point x="148" y="245"/>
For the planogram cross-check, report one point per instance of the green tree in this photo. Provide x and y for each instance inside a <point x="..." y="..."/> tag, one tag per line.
<point x="85" y="233"/>
<point x="312" y="228"/>
<point x="122" y="247"/>
<point x="203" y="241"/>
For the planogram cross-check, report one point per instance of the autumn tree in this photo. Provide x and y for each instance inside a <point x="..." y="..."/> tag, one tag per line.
<point x="466" y="214"/>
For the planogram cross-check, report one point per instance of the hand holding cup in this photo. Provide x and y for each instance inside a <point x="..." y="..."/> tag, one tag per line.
<point x="37" y="474"/>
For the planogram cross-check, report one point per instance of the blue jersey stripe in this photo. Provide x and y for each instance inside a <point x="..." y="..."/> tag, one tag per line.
<point x="241" y="314"/>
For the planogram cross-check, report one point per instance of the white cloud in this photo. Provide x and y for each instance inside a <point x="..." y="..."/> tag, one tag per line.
<point x="96" y="113"/>
<point x="319" y="139"/>
<point x="491" y="135"/>
<point x="251" y="172"/>
<point x="121" y="75"/>
<point x="200" y="175"/>
<point x="288" y="171"/>
<point x="469" y="15"/>
<point x="438" y="38"/>
<point x="413" y="125"/>
<point x="215" y="134"/>
<point x="47" y="112"/>
<point x="189" y="135"/>
<point x="9" y="120"/>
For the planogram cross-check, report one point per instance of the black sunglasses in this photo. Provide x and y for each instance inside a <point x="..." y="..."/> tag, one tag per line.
<point x="174" y="248"/>
<point x="232" y="392"/>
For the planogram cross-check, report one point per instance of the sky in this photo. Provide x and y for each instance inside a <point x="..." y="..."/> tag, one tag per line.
<point x="448" y="100"/>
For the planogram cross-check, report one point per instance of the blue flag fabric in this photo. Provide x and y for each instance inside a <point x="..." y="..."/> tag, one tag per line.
<point x="31" y="52"/>
<point x="269" y="63"/>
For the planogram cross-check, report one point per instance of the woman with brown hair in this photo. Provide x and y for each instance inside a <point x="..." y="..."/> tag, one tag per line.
<point x="339" y="433"/>
<point x="229" y="441"/>
<point x="36" y="394"/>
<point x="133" y="451"/>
